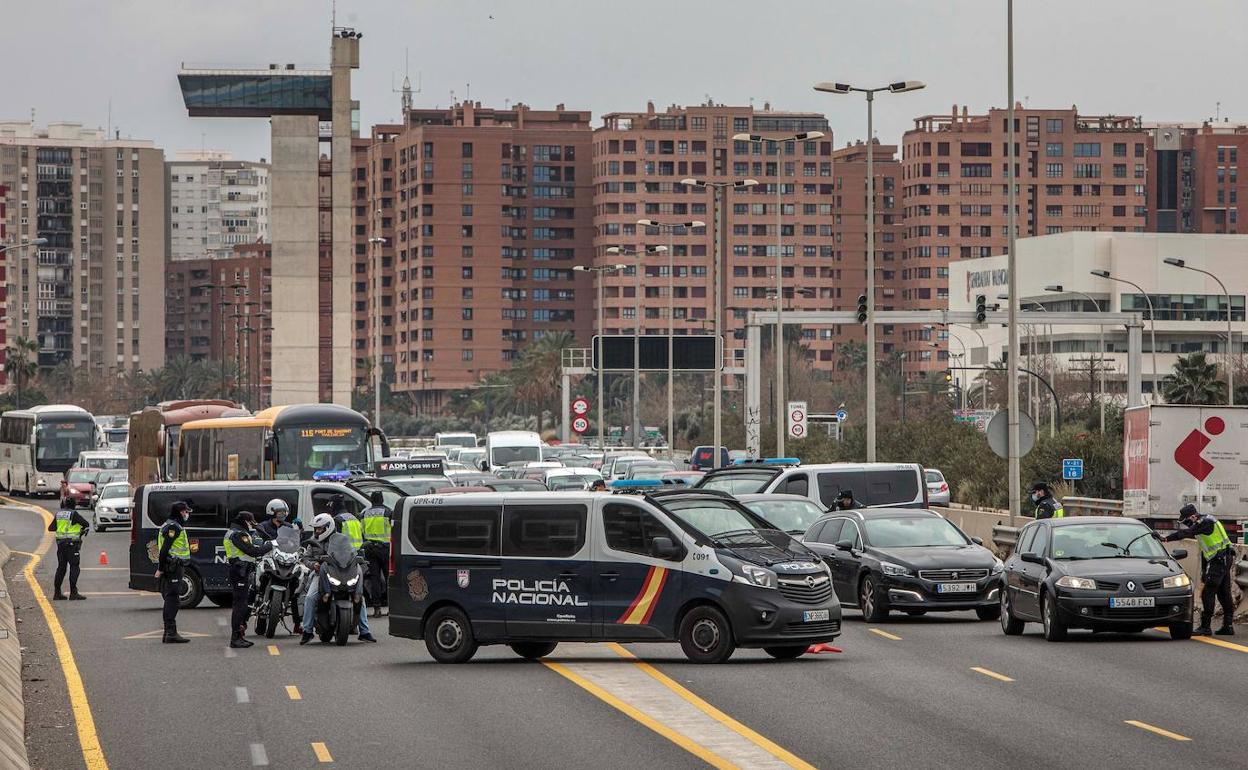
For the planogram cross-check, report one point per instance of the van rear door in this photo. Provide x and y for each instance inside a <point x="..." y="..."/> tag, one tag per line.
<point x="546" y="585"/>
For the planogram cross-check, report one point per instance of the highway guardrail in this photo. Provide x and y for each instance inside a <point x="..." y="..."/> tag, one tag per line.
<point x="1005" y="537"/>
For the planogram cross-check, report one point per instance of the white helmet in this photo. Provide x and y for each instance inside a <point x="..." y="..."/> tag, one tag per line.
<point x="323" y="521"/>
<point x="275" y="506"/>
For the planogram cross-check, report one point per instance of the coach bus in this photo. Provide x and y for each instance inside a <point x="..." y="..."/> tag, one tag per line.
<point x="39" y="444"/>
<point x="281" y="442"/>
<point x="153" y="441"/>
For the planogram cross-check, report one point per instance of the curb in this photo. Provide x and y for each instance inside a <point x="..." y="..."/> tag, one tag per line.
<point x="12" y="707"/>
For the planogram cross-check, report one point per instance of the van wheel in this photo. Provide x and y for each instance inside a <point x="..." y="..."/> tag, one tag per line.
<point x="874" y="607"/>
<point x="192" y="591"/>
<point x="786" y="653"/>
<point x="533" y="650"/>
<point x="705" y="635"/>
<point x="448" y="636"/>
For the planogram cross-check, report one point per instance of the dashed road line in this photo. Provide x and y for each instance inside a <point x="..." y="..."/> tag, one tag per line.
<point x="241" y="696"/>
<point x="231" y="652"/>
<point x="991" y="674"/>
<point x="322" y="753"/>
<point x="259" y="757"/>
<point x="885" y="634"/>
<point x="1157" y="730"/>
<point x="273" y="650"/>
<point x="293" y="692"/>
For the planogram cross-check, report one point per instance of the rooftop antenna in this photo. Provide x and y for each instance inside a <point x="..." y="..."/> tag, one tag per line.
<point x="406" y="90"/>
<point x="1218" y="111"/>
<point x="333" y="14"/>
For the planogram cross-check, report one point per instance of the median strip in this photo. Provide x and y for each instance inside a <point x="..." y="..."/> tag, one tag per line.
<point x="885" y="634"/>
<point x="1157" y="730"/>
<point x="992" y="674"/>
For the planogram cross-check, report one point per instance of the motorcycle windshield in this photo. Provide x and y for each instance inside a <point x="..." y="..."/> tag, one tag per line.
<point x="287" y="540"/>
<point x="340" y="551"/>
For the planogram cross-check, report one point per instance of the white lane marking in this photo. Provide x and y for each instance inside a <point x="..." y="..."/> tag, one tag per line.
<point x="240" y="695"/>
<point x="259" y="757"/>
<point x="230" y="653"/>
<point x="222" y="621"/>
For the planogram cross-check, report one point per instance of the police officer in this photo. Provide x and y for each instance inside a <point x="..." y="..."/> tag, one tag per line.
<point x="376" y="527"/>
<point x="278" y="516"/>
<point x="69" y="526"/>
<point x="174" y="553"/>
<point x="1047" y="506"/>
<point x="241" y="551"/>
<point x="1217" y="561"/>
<point x="351" y="528"/>
<point x="845" y="500"/>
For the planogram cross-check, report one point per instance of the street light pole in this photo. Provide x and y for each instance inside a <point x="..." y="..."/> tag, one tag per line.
<point x="896" y="88"/>
<point x="1152" y="318"/>
<point x="1101" y="334"/>
<point x="1230" y="343"/>
<point x="602" y="410"/>
<point x="1011" y="223"/>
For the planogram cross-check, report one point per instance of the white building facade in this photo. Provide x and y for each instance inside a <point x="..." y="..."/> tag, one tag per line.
<point x="215" y="203"/>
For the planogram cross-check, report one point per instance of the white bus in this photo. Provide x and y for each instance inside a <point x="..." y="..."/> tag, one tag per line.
<point x="39" y="444"/>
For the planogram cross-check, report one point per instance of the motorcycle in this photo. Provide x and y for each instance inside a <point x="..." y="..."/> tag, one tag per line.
<point x="340" y="592"/>
<point x="278" y="575"/>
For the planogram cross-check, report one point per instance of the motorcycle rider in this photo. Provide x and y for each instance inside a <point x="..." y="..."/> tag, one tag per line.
<point x="315" y="552"/>
<point x="377" y="523"/>
<point x="1047" y="506"/>
<point x="279" y="516"/>
<point x="242" y="551"/>
<point x="350" y="526"/>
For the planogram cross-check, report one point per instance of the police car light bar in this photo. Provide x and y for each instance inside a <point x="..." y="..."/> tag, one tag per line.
<point x="635" y="486"/>
<point x="332" y="475"/>
<point x="768" y="461"/>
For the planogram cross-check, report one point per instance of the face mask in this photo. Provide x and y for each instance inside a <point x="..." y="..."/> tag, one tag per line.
<point x="1035" y="496"/>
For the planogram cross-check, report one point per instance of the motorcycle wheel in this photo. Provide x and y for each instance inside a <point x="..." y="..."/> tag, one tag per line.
<point x="274" y="615"/>
<point x="342" y="625"/>
<point x="324" y="624"/>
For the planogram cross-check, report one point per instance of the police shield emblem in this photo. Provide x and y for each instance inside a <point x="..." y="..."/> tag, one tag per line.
<point x="461" y="577"/>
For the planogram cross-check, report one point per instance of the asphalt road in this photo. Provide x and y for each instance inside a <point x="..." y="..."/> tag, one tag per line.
<point x="914" y="700"/>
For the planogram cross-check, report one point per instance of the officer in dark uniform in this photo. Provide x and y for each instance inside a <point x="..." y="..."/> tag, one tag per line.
<point x="241" y="551"/>
<point x="845" y="500"/>
<point x="174" y="553"/>
<point x="1217" y="564"/>
<point x="70" y="527"/>
<point x="1047" y="506"/>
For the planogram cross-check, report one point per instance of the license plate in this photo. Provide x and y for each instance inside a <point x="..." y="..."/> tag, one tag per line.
<point x="814" y="616"/>
<point x="956" y="588"/>
<point x="1132" y="601"/>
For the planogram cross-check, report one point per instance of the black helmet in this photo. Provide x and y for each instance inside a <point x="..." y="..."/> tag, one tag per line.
<point x="245" y="519"/>
<point x="69" y="503"/>
<point x="1188" y="511"/>
<point x="179" y="506"/>
<point x="377" y="498"/>
<point x="1041" y="486"/>
<point x="845" y="494"/>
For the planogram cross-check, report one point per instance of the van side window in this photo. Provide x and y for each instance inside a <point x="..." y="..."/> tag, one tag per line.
<point x="797" y="484"/>
<point x="831" y="533"/>
<point x="208" y="509"/>
<point x="323" y="501"/>
<point x="455" y="529"/>
<point x="884" y="487"/>
<point x="832" y="482"/>
<point x="556" y="531"/>
<point x="630" y="529"/>
<point x="257" y="501"/>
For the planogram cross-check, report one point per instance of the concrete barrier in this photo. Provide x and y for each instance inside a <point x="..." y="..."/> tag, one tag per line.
<point x="12" y="707"/>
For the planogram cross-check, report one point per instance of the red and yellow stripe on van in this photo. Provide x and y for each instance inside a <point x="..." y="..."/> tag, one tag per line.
<point x="647" y="599"/>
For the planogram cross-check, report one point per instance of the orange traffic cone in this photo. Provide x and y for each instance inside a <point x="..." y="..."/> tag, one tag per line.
<point x="103" y="558"/>
<point x="815" y="649"/>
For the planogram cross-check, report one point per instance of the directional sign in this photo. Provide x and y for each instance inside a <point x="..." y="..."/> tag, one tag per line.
<point x="580" y="406"/>
<point x="1072" y="469"/>
<point x="580" y="425"/>
<point x="797" y="419"/>
<point x="842" y="415"/>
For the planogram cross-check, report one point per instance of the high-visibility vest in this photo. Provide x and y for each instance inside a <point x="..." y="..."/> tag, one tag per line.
<point x="1212" y="545"/>
<point x="377" y="524"/>
<point x="66" y="527"/>
<point x="354" y="531"/>
<point x="1059" y="512"/>
<point x="181" y="548"/>
<point x="232" y="551"/>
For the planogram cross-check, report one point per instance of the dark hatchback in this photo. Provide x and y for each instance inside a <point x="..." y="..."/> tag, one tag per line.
<point x="1096" y="572"/>
<point x="905" y="559"/>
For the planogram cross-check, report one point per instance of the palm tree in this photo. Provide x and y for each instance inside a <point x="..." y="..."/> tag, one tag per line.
<point x="19" y="366"/>
<point x="852" y="357"/>
<point x="535" y="378"/>
<point x="1194" y="381"/>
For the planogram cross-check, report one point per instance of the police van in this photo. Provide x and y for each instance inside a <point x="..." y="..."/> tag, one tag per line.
<point x="531" y="570"/>
<point x="892" y="485"/>
<point x="213" y="505"/>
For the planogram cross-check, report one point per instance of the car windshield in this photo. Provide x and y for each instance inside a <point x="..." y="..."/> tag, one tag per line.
<point x="713" y="517"/>
<point x="788" y="515"/>
<point x="564" y="483"/>
<point x="650" y="471"/>
<point x="115" y="490"/>
<point x="912" y="532"/>
<point x="1106" y="541"/>
<point x="933" y="477"/>
<point x="422" y="485"/>
<point x="737" y="483"/>
<point x="81" y="477"/>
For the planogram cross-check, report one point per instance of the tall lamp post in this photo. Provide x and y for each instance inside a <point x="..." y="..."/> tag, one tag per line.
<point x="896" y="88"/>
<point x="374" y="242"/>
<point x="638" y="311"/>
<point x="670" y="228"/>
<point x="602" y="408"/>
<point x="719" y="220"/>
<point x="1152" y="318"/>
<point x="1059" y="289"/>
<point x="1230" y="344"/>
<point x="5" y="248"/>
<point x="778" y="143"/>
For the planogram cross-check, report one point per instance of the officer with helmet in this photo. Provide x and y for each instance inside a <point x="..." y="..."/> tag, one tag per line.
<point x="1047" y="506"/>
<point x="241" y="551"/>
<point x="1217" y="563"/>
<point x="174" y="552"/>
<point x="69" y="526"/>
<point x="278" y="516"/>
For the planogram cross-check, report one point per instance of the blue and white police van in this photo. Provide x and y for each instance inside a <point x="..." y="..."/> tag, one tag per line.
<point x="531" y="570"/>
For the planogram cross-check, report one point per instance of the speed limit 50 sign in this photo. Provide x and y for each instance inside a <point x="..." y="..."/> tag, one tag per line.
<point x="580" y="425"/>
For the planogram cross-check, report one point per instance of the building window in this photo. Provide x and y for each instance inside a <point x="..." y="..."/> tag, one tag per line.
<point x="1053" y="170"/>
<point x="1053" y="149"/>
<point x="1053" y="125"/>
<point x="1087" y="149"/>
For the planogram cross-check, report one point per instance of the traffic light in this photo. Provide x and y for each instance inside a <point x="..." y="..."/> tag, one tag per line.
<point x="981" y="308"/>
<point x="862" y="308"/>
<point x="948" y="376"/>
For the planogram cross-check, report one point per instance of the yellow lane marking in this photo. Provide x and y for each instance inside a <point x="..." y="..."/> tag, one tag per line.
<point x="322" y="754"/>
<point x="293" y="692"/>
<point x="885" y="634"/>
<point x="88" y="740"/>
<point x="1157" y="730"/>
<point x="1210" y="640"/>
<point x="273" y="650"/>
<point x="11" y="503"/>
<point x="758" y="740"/>
<point x="993" y="674"/>
<point x="696" y="749"/>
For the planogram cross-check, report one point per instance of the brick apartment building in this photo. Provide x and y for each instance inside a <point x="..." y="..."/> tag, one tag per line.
<point x="1075" y="173"/>
<point x="374" y="197"/>
<point x="1194" y="182"/>
<point x="4" y="260"/>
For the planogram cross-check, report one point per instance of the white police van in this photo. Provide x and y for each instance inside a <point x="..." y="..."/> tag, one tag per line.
<point x="531" y="570"/>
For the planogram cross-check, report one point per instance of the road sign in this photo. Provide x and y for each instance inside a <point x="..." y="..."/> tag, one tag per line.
<point x="580" y="425"/>
<point x="1072" y="469"/>
<point x="977" y="417"/>
<point x="842" y="415"/>
<point x="797" y="419"/>
<point x="580" y="406"/>
<point x="998" y="434"/>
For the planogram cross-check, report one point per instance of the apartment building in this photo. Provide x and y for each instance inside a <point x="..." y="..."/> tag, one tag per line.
<point x="374" y="198"/>
<point x="215" y="204"/>
<point x="93" y="295"/>
<point x="4" y="259"/>
<point x="1076" y="173"/>
<point x="1195" y="185"/>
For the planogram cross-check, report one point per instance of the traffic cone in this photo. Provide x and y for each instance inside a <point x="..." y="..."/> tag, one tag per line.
<point x="815" y="649"/>
<point x="103" y="559"/>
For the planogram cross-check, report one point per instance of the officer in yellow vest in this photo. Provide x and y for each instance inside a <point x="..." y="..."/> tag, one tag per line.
<point x="69" y="526"/>
<point x="174" y="553"/>
<point x="241" y="551"/>
<point x="1217" y="565"/>
<point x="1047" y="506"/>
<point x="377" y="524"/>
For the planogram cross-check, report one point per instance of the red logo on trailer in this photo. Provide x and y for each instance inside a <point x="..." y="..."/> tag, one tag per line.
<point x="1188" y="453"/>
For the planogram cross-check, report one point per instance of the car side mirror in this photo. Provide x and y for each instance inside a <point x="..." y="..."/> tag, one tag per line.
<point x="977" y="540"/>
<point x="663" y="547"/>
<point x="845" y="545"/>
<point x="1031" y="558"/>
<point x="1178" y="553"/>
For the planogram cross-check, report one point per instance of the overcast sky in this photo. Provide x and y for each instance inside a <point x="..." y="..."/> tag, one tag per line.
<point x="1162" y="60"/>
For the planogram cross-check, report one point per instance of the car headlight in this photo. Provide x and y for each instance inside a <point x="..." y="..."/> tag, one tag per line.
<point x="997" y="566"/>
<point x="1086" y="584"/>
<point x="353" y="580"/>
<point x="758" y="576"/>
<point x="333" y="581"/>
<point x="896" y="570"/>
<point x="1176" y="581"/>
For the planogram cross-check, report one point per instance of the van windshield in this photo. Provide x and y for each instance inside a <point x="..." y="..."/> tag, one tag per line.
<point x="714" y="517"/>
<point x="470" y="441"/>
<point x="512" y="454"/>
<point x="737" y="483"/>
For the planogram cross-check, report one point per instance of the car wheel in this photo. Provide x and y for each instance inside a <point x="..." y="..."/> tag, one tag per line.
<point x="1054" y="628"/>
<point x="705" y="635"/>
<point x="1010" y="625"/>
<point x="1181" y="630"/>
<point x="786" y="653"/>
<point x="533" y="650"/>
<point x="192" y="591"/>
<point x="991" y="612"/>
<point x="448" y="636"/>
<point x="874" y="607"/>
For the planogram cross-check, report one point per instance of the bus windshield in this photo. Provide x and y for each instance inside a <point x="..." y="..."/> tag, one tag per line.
<point x="58" y="444"/>
<point x="304" y="450"/>
<point x="512" y="454"/>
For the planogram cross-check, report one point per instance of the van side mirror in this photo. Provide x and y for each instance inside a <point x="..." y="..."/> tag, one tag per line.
<point x="1031" y="558"/>
<point x="1178" y="553"/>
<point x="663" y="548"/>
<point x="845" y="545"/>
<point x="977" y="540"/>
